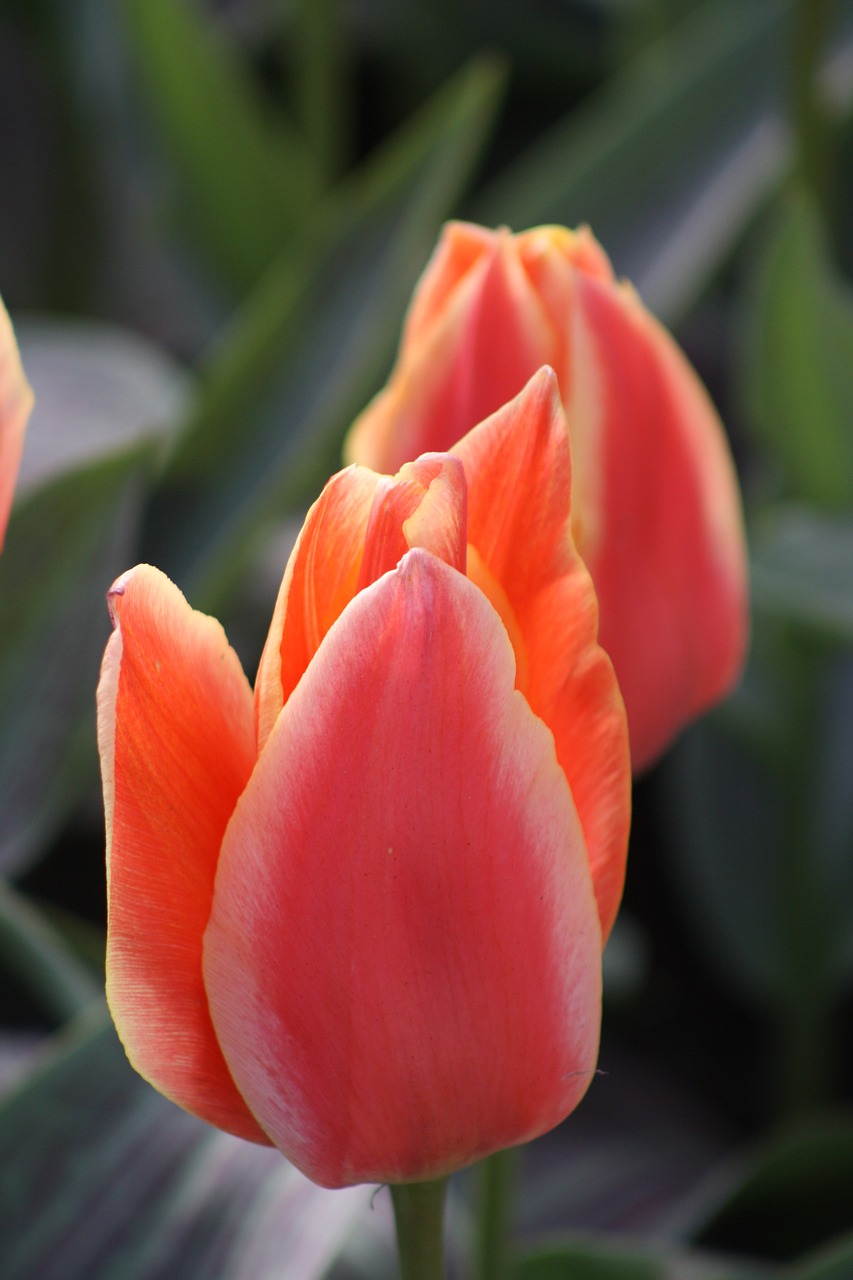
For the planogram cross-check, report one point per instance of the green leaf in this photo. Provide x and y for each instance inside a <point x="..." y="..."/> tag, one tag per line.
<point x="725" y="858"/>
<point x="311" y="345"/>
<point x="581" y="1261"/>
<point x="102" y="1178"/>
<point x="798" y="366"/>
<point x="66" y="543"/>
<point x="32" y="949"/>
<point x="103" y="402"/>
<point x="802" y="570"/>
<point x="248" y="180"/>
<point x="795" y="1193"/>
<point x="832" y="1262"/>
<point x="606" y="1260"/>
<point x="670" y="158"/>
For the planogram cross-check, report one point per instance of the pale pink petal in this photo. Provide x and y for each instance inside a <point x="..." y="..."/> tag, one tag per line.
<point x="403" y="959"/>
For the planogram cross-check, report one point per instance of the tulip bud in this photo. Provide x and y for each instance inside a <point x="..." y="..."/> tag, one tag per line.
<point x="656" y="509"/>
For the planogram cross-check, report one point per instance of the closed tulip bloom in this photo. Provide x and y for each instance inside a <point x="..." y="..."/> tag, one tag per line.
<point x="655" y="510"/>
<point x="359" y="914"/>
<point x="16" y="401"/>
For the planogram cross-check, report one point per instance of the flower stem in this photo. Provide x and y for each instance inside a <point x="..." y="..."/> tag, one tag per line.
<point x="497" y="1178"/>
<point x="811" y="22"/>
<point x="419" y="1216"/>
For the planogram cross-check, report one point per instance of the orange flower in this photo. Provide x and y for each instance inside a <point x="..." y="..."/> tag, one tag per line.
<point x="656" y="509"/>
<point x="360" y="916"/>
<point x="16" y="401"/>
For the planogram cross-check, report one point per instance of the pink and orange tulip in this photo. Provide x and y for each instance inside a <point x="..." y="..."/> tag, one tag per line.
<point x="656" y="509"/>
<point x="16" y="401"/>
<point x="360" y="915"/>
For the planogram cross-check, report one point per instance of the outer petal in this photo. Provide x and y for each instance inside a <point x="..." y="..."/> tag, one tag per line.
<point x="403" y="956"/>
<point x="519" y="482"/>
<point x="176" y="736"/>
<point x="667" y="552"/>
<point x="320" y="579"/>
<point x="490" y="337"/>
<point x="16" y="401"/>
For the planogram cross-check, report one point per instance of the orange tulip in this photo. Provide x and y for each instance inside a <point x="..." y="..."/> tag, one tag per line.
<point x="360" y="915"/>
<point x="16" y="401"/>
<point x="656" y="509"/>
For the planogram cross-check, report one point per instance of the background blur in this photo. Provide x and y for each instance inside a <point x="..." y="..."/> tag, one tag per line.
<point x="211" y="219"/>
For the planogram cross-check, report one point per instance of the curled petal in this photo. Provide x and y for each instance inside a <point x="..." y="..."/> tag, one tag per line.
<point x="403" y="958"/>
<point x="518" y="468"/>
<point x="423" y="506"/>
<point x="176" y="736"/>
<point x="16" y="402"/>
<point x="669" y="559"/>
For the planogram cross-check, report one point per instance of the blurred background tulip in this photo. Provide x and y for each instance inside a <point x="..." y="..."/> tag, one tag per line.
<point x="16" y="400"/>
<point x="656" y="509"/>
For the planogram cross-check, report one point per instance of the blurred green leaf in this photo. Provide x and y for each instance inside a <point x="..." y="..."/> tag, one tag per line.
<point x="795" y="1194"/>
<point x="247" y="177"/>
<point x="726" y="857"/>
<point x="798" y="366"/>
<point x="584" y="1261"/>
<point x="833" y="1262"/>
<point x="671" y="157"/>
<point x="760" y="810"/>
<point x="321" y="73"/>
<point x="605" y="1260"/>
<point x="102" y="1178"/>
<point x="311" y="345"/>
<point x="104" y="400"/>
<point x="66" y="543"/>
<point x="35" y="952"/>
<point x="802" y="569"/>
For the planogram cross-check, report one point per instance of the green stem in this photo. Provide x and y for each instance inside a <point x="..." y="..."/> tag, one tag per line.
<point x="419" y="1216"/>
<point x="322" y="83"/>
<point x="811" y="23"/>
<point x="497" y="1179"/>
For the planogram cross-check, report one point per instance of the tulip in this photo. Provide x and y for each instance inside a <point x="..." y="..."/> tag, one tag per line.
<point x="360" y="915"/>
<point x="656" y="509"/>
<point x="16" y="401"/>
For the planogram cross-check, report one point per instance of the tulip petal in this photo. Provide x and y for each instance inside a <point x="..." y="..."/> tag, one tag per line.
<point x="460" y="246"/>
<point x="518" y="468"/>
<point x="16" y="401"/>
<point x="672" y="551"/>
<point x="320" y="579"/>
<point x="176" y="736"/>
<point x="424" y="505"/>
<point x="403" y="958"/>
<point x="492" y="334"/>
